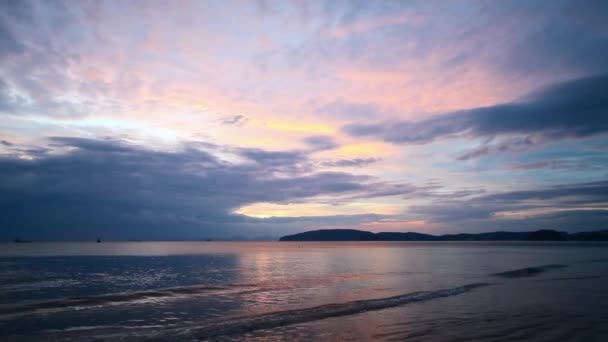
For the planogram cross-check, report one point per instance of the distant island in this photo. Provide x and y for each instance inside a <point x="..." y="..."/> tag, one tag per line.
<point x="361" y="235"/>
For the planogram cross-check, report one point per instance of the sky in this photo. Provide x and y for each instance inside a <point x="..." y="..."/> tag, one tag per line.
<point x="256" y="119"/>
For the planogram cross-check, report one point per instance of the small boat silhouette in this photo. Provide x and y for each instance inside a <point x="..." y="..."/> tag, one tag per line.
<point x="18" y="240"/>
<point x="98" y="240"/>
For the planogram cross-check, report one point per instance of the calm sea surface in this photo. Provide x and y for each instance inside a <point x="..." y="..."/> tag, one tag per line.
<point x="275" y="291"/>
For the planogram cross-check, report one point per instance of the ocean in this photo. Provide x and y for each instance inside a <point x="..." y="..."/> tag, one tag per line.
<point x="307" y="291"/>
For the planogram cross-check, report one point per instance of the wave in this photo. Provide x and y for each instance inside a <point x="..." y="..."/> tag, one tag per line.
<point x="74" y="302"/>
<point x="172" y="292"/>
<point x="240" y="325"/>
<point x="594" y="261"/>
<point x="528" y="271"/>
<point x="590" y="277"/>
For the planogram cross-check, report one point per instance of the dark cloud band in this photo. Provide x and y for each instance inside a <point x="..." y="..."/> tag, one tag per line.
<point x="121" y="190"/>
<point x="577" y="108"/>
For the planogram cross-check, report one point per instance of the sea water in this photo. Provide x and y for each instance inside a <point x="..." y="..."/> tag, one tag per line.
<point x="275" y="291"/>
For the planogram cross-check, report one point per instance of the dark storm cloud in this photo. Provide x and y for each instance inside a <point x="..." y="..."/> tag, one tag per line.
<point x="117" y="190"/>
<point x="572" y="109"/>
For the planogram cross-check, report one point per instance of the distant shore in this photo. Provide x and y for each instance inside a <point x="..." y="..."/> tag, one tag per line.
<point x="361" y="235"/>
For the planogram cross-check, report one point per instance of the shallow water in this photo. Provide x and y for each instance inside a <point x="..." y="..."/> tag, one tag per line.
<point x="303" y="291"/>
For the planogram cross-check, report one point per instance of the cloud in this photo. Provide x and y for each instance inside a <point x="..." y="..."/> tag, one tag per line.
<point x="348" y="110"/>
<point x="555" y="164"/>
<point x="581" y="194"/>
<point x="563" y="220"/>
<point x="567" y="35"/>
<point x="9" y="44"/>
<point x="356" y="162"/>
<point x="96" y="145"/>
<point x="234" y="120"/>
<point x="375" y="23"/>
<point x="90" y="187"/>
<point x="321" y="142"/>
<point x="135" y="70"/>
<point x="276" y="162"/>
<point x="522" y="205"/>
<point x="572" y="109"/>
<point x="9" y="101"/>
<point x="37" y="63"/>
<point x="504" y="144"/>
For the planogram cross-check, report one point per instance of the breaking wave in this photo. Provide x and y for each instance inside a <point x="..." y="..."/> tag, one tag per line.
<point x="240" y="325"/>
<point x="528" y="271"/>
<point x="173" y="293"/>
<point x="72" y="302"/>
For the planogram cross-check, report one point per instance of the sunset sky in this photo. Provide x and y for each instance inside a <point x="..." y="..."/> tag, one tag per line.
<point x="224" y="119"/>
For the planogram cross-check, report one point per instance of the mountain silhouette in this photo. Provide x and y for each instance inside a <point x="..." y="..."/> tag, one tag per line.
<point x="361" y="235"/>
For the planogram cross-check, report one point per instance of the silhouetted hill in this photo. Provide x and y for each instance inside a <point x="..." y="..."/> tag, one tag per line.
<point x="332" y="235"/>
<point x="493" y="236"/>
<point x="548" y="235"/>
<point x="410" y="236"/>
<point x="600" y="235"/>
<point x="360" y="235"/>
